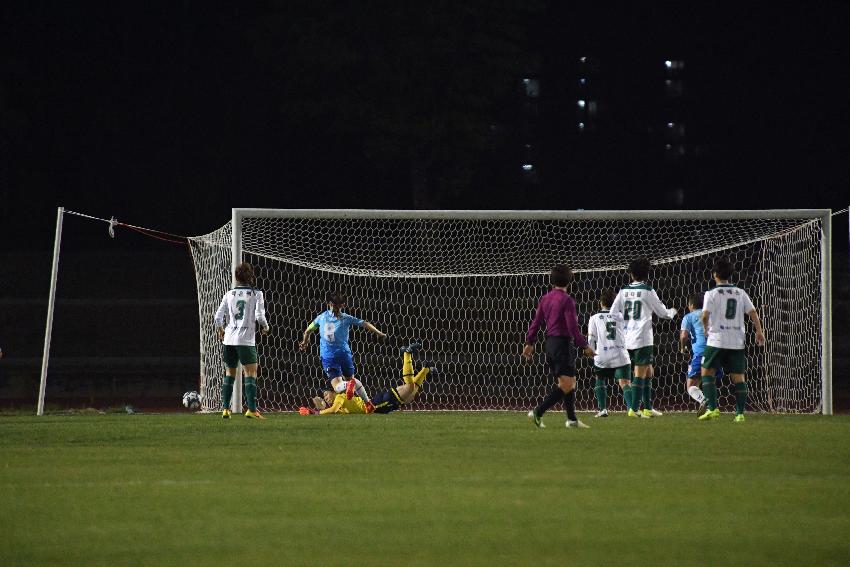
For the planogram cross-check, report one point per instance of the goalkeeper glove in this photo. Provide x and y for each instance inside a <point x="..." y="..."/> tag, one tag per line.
<point x="307" y="411"/>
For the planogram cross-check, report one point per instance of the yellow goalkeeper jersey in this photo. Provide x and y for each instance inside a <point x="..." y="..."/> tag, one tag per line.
<point x="343" y="405"/>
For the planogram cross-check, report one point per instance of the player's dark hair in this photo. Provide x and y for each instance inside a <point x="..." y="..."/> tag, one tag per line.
<point x="561" y="275"/>
<point x="723" y="268"/>
<point x="337" y="300"/>
<point x="244" y="274"/>
<point x="607" y="298"/>
<point x="695" y="299"/>
<point x="639" y="268"/>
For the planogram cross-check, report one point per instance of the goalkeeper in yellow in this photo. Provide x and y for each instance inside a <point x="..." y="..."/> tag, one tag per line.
<point x="390" y="400"/>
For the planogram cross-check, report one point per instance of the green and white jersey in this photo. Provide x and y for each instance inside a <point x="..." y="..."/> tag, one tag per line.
<point x="637" y="302"/>
<point x="241" y="308"/>
<point x="605" y="335"/>
<point x="726" y="306"/>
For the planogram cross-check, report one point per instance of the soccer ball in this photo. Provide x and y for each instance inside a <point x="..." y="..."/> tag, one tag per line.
<point x="191" y="400"/>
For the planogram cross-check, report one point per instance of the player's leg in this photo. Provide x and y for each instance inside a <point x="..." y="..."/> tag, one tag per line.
<point x="407" y="373"/>
<point x="231" y="362"/>
<point x="737" y="366"/>
<point x="567" y="384"/>
<point x="248" y="357"/>
<point x="711" y="361"/>
<point x="693" y="382"/>
<point x="649" y="355"/>
<point x="638" y="385"/>
<point x="407" y="392"/>
<point x="600" y="389"/>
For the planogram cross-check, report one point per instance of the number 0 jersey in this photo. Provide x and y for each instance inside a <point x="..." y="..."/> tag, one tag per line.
<point x="726" y="305"/>
<point x="605" y="335"/>
<point x="241" y="308"/>
<point x="637" y="302"/>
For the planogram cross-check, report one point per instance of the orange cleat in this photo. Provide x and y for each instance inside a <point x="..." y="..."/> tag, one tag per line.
<point x="370" y="407"/>
<point x="349" y="389"/>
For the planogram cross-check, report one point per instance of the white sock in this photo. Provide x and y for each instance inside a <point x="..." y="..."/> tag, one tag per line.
<point x="361" y="391"/>
<point x="340" y="387"/>
<point x="696" y="394"/>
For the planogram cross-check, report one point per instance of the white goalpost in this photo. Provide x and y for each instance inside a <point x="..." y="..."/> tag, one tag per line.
<point x="466" y="283"/>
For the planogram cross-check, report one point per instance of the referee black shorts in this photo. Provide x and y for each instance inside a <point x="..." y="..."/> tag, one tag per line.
<point x="560" y="356"/>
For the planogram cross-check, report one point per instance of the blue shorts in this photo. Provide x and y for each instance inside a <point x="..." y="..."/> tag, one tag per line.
<point x="696" y="365"/>
<point x="338" y="365"/>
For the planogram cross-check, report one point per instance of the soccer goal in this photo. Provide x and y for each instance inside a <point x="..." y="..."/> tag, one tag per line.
<point x="466" y="284"/>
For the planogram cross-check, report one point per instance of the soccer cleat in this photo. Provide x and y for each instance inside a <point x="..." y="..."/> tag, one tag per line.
<point x="739" y="418"/>
<point x="710" y="414"/>
<point x="536" y="420"/>
<point x="645" y="413"/>
<point x="254" y="415"/>
<point x="601" y="413"/>
<point x="370" y="407"/>
<point x="577" y="423"/>
<point x="633" y="413"/>
<point x="349" y="389"/>
<point x="655" y="413"/>
<point x="412" y="348"/>
<point x="702" y="408"/>
<point x="225" y="414"/>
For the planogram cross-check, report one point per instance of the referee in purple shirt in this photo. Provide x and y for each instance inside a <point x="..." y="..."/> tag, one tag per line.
<point x="557" y="309"/>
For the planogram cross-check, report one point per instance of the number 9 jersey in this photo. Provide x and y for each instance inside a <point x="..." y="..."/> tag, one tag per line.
<point x="241" y="308"/>
<point x="726" y="305"/>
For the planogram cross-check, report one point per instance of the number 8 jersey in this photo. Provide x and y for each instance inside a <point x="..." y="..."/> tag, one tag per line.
<point x="637" y="302"/>
<point x="242" y="308"/>
<point x="726" y="305"/>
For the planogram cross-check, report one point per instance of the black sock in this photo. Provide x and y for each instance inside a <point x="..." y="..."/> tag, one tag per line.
<point x="552" y="398"/>
<point x="570" y="405"/>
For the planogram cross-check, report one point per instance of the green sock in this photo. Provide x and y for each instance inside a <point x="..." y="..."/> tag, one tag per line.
<point x="647" y="393"/>
<point x="251" y="392"/>
<point x="227" y="391"/>
<point x="601" y="394"/>
<point x="709" y="388"/>
<point x="741" y="392"/>
<point x="637" y="392"/>
<point x="627" y="396"/>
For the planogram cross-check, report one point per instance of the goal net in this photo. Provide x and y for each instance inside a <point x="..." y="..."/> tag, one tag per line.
<point x="467" y="283"/>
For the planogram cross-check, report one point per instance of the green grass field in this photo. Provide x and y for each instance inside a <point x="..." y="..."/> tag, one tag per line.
<point x="424" y="489"/>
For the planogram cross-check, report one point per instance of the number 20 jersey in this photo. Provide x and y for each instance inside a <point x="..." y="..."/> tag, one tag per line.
<point x="241" y="308"/>
<point x="726" y="305"/>
<point x="637" y="302"/>
<point x="605" y="333"/>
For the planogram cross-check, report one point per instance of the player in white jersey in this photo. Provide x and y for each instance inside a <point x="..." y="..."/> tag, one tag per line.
<point x="241" y="309"/>
<point x="605" y="336"/>
<point x="723" y="310"/>
<point x="637" y="302"/>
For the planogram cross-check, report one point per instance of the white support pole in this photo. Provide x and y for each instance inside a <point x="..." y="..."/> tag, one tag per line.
<point x="826" y="312"/>
<point x="51" y="302"/>
<point x="235" y="260"/>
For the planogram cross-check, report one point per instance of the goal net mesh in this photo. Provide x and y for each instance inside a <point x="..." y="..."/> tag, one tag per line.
<point x="468" y="288"/>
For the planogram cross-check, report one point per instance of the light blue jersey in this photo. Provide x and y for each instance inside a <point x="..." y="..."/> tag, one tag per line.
<point x="333" y="333"/>
<point x="692" y="324"/>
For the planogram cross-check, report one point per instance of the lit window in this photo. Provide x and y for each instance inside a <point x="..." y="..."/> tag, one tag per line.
<point x="668" y="64"/>
<point x="581" y="125"/>
<point x="527" y="167"/>
<point x="581" y="103"/>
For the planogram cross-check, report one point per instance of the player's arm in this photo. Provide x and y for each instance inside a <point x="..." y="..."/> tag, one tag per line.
<point x="305" y="340"/>
<point x="219" y="319"/>
<point x="659" y="308"/>
<point x="260" y="313"/>
<point x="337" y="405"/>
<point x="531" y="335"/>
<point x="751" y="312"/>
<point x="591" y="334"/>
<point x="684" y="341"/>
<point x="371" y="328"/>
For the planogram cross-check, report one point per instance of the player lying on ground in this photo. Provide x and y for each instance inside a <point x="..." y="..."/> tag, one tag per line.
<point x="390" y="400"/>
<point x="723" y="310"/>
<point x="637" y="302"/>
<point x="337" y="361"/>
<point x="557" y="310"/>
<point x="605" y="336"/>
<point x="692" y="331"/>
<point x="241" y="309"/>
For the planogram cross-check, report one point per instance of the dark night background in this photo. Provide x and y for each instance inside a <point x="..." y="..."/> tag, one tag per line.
<point x="168" y="114"/>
